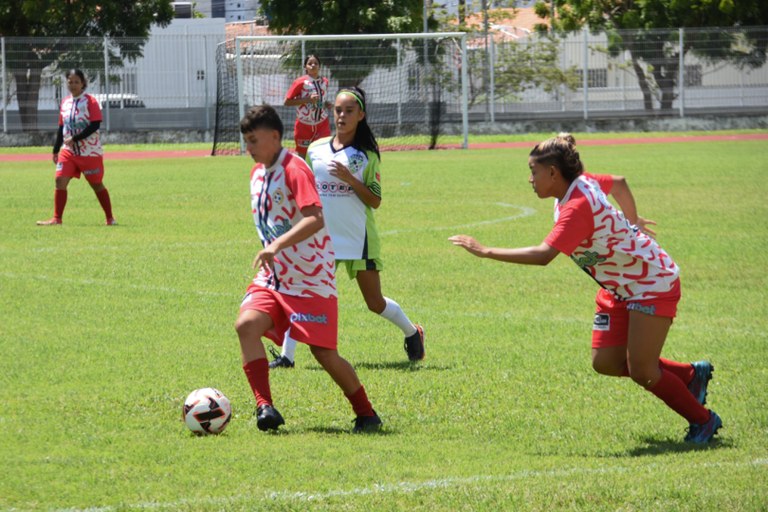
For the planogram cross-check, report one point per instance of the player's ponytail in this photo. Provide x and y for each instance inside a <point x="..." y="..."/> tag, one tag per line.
<point x="561" y="153"/>
<point x="364" y="139"/>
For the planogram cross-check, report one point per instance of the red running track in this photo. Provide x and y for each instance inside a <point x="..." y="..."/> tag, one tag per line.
<point x="155" y="154"/>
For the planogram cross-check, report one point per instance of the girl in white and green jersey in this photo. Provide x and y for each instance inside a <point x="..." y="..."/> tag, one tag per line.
<point x="348" y="180"/>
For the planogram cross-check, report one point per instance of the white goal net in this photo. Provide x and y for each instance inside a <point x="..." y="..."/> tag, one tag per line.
<point x="415" y="84"/>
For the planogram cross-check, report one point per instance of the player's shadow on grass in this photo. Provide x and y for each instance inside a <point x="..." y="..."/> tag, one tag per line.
<point x="335" y="431"/>
<point x="406" y="366"/>
<point x="655" y="446"/>
<point x="399" y="365"/>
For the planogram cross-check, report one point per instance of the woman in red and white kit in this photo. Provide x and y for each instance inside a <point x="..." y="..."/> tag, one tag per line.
<point x="640" y="287"/>
<point x="80" y="145"/>
<point x="307" y="94"/>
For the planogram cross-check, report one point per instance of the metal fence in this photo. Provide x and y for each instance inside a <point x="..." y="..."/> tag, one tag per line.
<point x="642" y="72"/>
<point x="170" y="84"/>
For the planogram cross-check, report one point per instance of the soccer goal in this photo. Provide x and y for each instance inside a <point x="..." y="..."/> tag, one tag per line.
<point x="415" y="84"/>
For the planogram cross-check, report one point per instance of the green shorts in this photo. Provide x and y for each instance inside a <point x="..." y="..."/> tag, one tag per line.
<point x="355" y="266"/>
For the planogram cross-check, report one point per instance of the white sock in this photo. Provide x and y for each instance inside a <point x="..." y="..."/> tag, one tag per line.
<point x="289" y="347"/>
<point x="394" y="314"/>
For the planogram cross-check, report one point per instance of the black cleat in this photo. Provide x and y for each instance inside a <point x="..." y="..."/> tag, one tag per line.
<point x="367" y="423"/>
<point x="414" y="344"/>
<point x="281" y="362"/>
<point x="267" y="417"/>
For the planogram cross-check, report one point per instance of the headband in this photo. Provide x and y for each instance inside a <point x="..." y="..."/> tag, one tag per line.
<point x="355" y="95"/>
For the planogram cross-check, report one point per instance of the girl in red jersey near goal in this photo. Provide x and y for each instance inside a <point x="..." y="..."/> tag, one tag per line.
<point x="640" y="287"/>
<point x="77" y="149"/>
<point x="346" y="168"/>
<point x="308" y="95"/>
<point x="295" y="287"/>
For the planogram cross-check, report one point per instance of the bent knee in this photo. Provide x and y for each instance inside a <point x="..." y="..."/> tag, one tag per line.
<point x="243" y="325"/>
<point x="645" y="377"/>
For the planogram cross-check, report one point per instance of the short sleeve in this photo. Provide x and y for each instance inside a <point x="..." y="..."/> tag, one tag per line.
<point x="604" y="181"/>
<point x="295" y="90"/>
<point x="301" y="182"/>
<point x="94" y="110"/>
<point x="372" y="173"/>
<point x="574" y="225"/>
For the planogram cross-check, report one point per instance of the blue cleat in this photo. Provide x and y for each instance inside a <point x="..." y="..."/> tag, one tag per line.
<point x="702" y="434"/>
<point x="703" y="374"/>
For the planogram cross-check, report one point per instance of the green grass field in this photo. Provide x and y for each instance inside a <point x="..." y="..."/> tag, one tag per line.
<point x="106" y="330"/>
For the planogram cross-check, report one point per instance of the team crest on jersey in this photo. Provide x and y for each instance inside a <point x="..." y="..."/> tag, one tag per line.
<point x="278" y="196"/>
<point x="588" y="259"/>
<point x="356" y="163"/>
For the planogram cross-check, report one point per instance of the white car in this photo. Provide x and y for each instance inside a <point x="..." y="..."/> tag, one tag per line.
<point x="119" y="100"/>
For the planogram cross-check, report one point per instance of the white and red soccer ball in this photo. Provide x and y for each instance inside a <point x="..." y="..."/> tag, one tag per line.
<point x="207" y="411"/>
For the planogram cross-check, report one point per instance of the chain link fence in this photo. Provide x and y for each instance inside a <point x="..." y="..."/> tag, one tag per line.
<point x="673" y="72"/>
<point x="169" y="83"/>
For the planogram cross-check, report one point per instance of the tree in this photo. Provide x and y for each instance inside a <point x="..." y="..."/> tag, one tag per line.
<point x="60" y="20"/>
<point x="318" y="17"/>
<point x="655" y="23"/>
<point x="518" y="66"/>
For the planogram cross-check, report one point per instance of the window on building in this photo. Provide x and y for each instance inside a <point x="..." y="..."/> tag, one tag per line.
<point x="693" y="76"/>
<point x="596" y="78"/>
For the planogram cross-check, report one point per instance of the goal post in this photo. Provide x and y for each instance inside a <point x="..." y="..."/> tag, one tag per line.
<point x="416" y="85"/>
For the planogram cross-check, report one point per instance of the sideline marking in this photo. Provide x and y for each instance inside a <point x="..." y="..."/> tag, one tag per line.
<point x="103" y="282"/>
<point x="398" y="488"/>
<point x="524" y="212"/>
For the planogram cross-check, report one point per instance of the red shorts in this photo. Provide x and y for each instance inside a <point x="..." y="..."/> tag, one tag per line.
<point x="311" y="320"/>
<point x="611" y="325"/>
<point x="306" y="134"/>
<point x="92" y="167"/>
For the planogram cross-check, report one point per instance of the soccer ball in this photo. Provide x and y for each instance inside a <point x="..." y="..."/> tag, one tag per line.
<point x="207" y="411"/>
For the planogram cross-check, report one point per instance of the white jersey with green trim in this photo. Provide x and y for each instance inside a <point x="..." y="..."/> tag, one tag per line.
<point x="350" y="222"/>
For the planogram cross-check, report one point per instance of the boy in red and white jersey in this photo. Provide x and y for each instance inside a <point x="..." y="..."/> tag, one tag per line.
<point x="80" y="145"/>
<point x="639" y="282"/>
<point x="294" y="290"/>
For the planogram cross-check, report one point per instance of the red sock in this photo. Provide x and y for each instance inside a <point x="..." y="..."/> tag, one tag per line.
<point x="257" y="372"/>
<point x="684" y="371"/>
<point x="360" y="403"/>
<point x="106" y="204"/>
<point x="675" y="394"/>
<point x="59" y="202"/>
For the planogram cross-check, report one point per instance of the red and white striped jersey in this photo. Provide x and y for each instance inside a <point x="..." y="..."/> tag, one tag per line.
<point x="304" y="87"/>
<point x="601" y="241"/>
<point x="75" y="115"/>
<point x="278" y="194"/>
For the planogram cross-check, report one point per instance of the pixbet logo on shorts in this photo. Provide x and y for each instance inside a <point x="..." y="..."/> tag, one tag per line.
<point x="308" y="318"/>
<point x="602" y="322"/>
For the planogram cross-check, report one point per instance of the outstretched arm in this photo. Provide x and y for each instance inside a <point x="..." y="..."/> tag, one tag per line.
<point x="540" y="254"/>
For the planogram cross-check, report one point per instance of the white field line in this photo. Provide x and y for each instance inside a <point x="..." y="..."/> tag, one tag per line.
<point x="107" y="283"/>
<point x="397" y="488"/>
<point x="153" y="246"/>
<point x="524" y="212"/>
